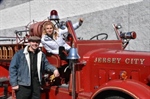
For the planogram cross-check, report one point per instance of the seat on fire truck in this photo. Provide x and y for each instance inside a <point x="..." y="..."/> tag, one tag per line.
<point x="61" y="64"/>
<point x="55" y="59"/>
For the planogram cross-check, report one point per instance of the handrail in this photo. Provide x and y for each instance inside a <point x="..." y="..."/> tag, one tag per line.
<point x="71" y="30"/>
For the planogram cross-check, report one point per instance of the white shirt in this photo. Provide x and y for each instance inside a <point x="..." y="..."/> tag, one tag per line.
<point x="52" y="46"/>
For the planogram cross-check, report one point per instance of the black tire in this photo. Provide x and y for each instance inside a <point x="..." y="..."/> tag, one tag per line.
<point x="112" y="94"/>
<point x="115" y="97"/>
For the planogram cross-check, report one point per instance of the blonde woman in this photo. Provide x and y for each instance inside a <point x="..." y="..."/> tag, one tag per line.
<point x="52" y="37"/>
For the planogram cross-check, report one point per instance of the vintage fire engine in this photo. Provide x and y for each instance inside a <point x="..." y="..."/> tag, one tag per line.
<point x="97" y="69"/>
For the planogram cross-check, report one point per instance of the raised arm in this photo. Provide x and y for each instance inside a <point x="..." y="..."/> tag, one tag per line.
<point x="75" y="26"/>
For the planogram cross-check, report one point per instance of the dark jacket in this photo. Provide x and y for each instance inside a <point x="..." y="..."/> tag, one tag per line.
<point x="19" y="69"/>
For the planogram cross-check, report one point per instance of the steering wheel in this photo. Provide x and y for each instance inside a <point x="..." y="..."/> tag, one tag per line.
<point x="96" y="36"/>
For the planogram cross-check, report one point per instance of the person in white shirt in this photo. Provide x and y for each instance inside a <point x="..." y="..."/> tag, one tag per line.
<point x="52" y="37"/>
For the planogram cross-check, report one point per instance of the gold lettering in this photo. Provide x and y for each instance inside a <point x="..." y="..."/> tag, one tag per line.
<point x="99" y="60"/>
<point x="118" y="60"/>
<point x="104" y="60"/>
<point x="142" y="61"/>
<point x="131" y="61"/>
<point x="127" y="60"/>
<point x="113" y="60"/>
<point x="95" y="60"/>
<point x="136" y="61"/>
<point x="108" y="60"/>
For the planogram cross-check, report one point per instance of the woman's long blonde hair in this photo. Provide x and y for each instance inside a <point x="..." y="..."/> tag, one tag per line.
<point x="55" y="31"/>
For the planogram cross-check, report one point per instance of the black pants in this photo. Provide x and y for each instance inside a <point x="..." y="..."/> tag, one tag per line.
<point x="29" y="92"/>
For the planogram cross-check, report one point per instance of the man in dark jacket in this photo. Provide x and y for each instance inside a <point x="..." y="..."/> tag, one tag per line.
<point x="26" y="69"/>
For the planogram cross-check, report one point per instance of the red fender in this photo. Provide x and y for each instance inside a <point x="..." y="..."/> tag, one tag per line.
<point x="133" y="88"/>
<point x="4" y="73"/>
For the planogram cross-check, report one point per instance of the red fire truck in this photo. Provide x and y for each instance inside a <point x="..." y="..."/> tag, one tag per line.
<point x="98" y="68"/>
